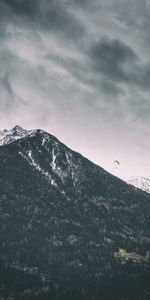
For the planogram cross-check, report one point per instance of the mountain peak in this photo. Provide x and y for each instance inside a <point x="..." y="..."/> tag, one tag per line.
<point x="9" y="136"/>
<point x="68" y="228"/>
<point x="18" y="128"/>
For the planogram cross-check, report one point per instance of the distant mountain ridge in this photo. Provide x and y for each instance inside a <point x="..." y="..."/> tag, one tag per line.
<point x="9" y="136"/>
<point x="69" y="229"/>
<point x="139" y="182"/>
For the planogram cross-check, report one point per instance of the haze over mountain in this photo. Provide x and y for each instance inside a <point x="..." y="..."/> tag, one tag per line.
<point x="69" y="229"/>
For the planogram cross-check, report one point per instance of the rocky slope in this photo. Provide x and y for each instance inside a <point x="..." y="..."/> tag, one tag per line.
<point x="69" y="229"/>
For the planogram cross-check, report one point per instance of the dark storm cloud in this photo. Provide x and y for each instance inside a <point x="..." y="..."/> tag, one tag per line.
<point x="23" y="7"/>
<point x="79" y="68"/>
<point x="109" y="62"/>
<point x="109" y="57"/>
<point x="43" y="14"/>
<point x="119" y="63"/>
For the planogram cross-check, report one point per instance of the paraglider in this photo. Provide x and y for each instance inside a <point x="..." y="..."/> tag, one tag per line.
<point x="117" y="163"/>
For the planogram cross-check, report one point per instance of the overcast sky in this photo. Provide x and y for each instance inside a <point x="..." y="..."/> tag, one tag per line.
<point x="80" y="69"/>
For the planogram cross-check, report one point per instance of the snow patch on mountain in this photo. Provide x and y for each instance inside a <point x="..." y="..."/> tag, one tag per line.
<point x="45" y="137"/>
<point x="32" y="162"/>
<point x="53" y="160"/>
<point x="16" y="133"/>
<point x="139" y="182"/>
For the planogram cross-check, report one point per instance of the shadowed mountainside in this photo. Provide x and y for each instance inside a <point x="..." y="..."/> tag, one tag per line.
<point x="69" y="229"/>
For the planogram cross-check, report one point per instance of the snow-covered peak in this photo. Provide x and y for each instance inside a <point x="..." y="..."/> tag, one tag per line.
<point x="18" y="129"/>
<point x="139" y="182"/>
<point x="9" y="136"/>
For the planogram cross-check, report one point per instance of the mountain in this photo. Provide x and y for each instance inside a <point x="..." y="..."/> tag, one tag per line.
<point x="69" y="229"/>
<point x="9" y="136"/>
<point x="139" y="182"/>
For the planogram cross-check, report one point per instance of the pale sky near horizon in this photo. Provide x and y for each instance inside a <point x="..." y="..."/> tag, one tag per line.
<point x="80" y="70"/>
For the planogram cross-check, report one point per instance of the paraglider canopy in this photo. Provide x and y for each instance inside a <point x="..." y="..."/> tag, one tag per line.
<point x="117" y="163"/>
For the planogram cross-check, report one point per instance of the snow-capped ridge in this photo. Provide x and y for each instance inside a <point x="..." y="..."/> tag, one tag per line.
<point x="18" y="129"/>
<point x="139" y="182"/>
<point x="15" y="133"/>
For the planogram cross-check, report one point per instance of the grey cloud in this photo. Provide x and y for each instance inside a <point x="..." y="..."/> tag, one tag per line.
<point x="6" y="83"/>
<point x="7" y="96"/>
<point x="132" y="16"/>
<point x="28" y="8"/>
<point x="86" y="4"/>
<point x="109" y="57"/>
<point x="85" y="74"/>
<point x="133" y="13"/>
<point x="51" y="15"/>
<point x="58" y="73"/>
<point x="137" y="106"/>
<point x="118" y="63"/>
<point x="142" y="76"/>
<point x="9" y="100"/>
<point x="142" y="109"/>
<point x="109" y="88"/>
